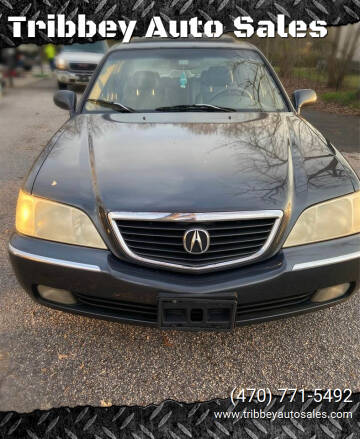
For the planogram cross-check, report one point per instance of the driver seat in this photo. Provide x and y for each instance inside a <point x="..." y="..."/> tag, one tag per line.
<point x="212" y="81"/>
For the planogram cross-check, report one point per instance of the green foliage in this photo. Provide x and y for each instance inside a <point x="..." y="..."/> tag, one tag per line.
<point x="347" y="98"/>
<point x="352" y="81"/>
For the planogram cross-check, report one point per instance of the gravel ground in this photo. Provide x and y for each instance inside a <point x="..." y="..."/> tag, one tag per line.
<point x="49" y="358"/>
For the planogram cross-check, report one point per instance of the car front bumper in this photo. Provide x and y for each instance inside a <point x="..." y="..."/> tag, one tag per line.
<point x="75" y="78"/>
<point x="109" y="288"/>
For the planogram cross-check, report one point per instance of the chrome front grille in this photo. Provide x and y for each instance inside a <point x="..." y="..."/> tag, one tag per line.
<point x="82" y="67"/>
<point x="158" y="238"/>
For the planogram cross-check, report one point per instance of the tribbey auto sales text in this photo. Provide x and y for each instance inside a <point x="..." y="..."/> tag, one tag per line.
<point x="56" y="26"/>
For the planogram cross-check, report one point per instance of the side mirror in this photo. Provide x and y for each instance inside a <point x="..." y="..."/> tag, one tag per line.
<point x="303" y="97"/>
<point x="66" y="100"/>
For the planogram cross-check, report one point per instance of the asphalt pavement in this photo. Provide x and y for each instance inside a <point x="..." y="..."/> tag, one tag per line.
<point x="49" y="358"/>
<point x="342" y="130"/>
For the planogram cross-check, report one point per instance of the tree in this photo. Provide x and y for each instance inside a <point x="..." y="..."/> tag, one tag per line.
<point x="340" y="58"/>
<point x="287" y="51"/>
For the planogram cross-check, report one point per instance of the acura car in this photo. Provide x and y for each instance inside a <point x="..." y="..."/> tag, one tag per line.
<point x="75" y="63"/>
<point x="187" y="191"/>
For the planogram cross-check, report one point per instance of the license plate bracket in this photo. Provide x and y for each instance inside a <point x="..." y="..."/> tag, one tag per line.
<point x="84" y="78"/>
<point x="204" y="312"/>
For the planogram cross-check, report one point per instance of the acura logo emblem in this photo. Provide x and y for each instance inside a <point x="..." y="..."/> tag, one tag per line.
<point x="196" y="241"/>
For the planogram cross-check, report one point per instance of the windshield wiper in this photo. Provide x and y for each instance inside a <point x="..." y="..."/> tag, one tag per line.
<point x="195" y="107"/>
<point x="113" y="105"/>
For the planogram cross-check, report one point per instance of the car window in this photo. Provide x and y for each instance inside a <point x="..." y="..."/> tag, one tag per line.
<point x="146" y="80"/>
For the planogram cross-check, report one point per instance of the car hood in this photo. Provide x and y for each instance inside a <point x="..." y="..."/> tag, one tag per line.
<point x="86" y="57"/>
<point x="190" y="162"/>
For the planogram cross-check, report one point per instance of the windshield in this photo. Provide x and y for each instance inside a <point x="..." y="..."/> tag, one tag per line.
<point x="178" y="79"/>
<point x="97" y="47"/>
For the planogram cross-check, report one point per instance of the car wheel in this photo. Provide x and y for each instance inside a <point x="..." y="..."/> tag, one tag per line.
<point x="62" y="86"/>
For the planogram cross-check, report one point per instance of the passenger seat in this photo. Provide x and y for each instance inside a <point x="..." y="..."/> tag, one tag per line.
<point x="142" y="90"/>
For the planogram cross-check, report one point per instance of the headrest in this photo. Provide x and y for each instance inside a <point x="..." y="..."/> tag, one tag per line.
<point x="144" y="80"/>
<point x="216" y="76"/>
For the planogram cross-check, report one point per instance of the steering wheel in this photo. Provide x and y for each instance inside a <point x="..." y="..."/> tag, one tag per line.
<point x="231" y="91"/>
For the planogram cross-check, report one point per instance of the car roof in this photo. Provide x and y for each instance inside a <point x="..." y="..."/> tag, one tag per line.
<point x="224" y="42"/>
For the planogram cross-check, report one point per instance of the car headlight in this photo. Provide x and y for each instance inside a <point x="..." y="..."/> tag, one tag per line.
<point x="61" y="64"/>
<point x="329" y="220"/>
<point x="53" y="221"/>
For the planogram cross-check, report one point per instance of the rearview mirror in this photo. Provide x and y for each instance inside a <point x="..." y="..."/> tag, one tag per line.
<point x="66" y="100"/>
<point x="303" y="97"/>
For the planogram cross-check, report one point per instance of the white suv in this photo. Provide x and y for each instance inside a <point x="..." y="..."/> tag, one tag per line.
<point x="75" y="64"/>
